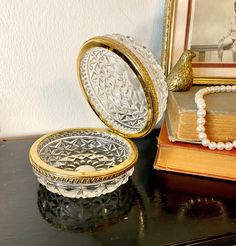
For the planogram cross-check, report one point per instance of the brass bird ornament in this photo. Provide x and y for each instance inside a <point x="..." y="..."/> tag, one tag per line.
<point x="181" y="75"/>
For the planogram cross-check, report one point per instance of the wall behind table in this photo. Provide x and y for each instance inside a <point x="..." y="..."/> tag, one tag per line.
<point x="40" y="41"/>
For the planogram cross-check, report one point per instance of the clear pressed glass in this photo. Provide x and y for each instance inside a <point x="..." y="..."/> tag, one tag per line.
<point x="83" y="162"/>
<point x="126" y="87"/>
<point x="123" y="83"/>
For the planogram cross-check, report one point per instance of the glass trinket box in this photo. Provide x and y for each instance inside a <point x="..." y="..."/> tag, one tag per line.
<point x="126" y="88"/>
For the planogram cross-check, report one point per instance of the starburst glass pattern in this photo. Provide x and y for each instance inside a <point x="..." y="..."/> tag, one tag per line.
<point x="83" y="151"/>
<point x="153" y="68"/>
<point x="116" y="93"/>
<point x="68" y="189"/>
<point x="114" y="90"/>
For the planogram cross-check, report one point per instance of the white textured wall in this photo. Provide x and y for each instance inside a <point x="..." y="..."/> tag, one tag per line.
<point x="39" y="43"/>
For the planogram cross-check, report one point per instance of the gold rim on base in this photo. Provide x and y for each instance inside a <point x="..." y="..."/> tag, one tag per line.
<point x="74" y="177"/>
<point x="140" y="71"/>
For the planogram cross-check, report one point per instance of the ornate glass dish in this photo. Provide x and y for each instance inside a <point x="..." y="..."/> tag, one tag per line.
<point x="123" y="83"/>
<point x="126" y="88"/>
<point x="83" y="162"/>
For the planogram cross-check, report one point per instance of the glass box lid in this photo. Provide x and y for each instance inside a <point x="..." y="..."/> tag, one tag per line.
<point x="126" y="88"/>
<point x="123" y="83"/>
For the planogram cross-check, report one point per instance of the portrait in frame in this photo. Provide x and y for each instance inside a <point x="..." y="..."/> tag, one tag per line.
<point x="209" y="29"/>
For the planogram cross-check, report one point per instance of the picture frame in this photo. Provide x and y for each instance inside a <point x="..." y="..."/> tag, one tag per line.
<point x="185" y="27"/>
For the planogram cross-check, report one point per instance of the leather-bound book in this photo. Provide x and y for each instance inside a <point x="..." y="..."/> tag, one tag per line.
<point x="182" y="116"/>
<point x="194" y="159"/>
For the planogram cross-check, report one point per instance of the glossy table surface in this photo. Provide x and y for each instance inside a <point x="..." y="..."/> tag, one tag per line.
<point x="153" y="208"/>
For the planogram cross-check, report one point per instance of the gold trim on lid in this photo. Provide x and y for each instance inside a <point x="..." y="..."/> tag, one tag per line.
<point x="140" y="71"/>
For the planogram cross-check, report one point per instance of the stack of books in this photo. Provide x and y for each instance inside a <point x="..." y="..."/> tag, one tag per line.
<point x="179" y="149"/>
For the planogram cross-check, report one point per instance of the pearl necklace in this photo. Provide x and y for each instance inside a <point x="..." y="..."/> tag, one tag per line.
<point x="201" y="113"/>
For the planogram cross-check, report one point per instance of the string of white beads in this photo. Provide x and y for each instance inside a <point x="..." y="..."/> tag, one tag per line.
<point x="201" y="113"/>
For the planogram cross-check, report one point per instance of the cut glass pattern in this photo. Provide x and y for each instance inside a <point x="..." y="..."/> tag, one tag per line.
<point x="153" y="68"/>
<point x="115" y="91"/>
<point x="83" y="151"/>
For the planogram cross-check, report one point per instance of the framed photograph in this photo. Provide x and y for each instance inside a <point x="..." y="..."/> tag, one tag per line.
<point x="209" y="29"/>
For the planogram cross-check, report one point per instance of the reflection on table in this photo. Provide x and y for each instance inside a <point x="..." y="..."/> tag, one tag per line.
<point x="90" y="214"/>
<point x="195" y="198"/>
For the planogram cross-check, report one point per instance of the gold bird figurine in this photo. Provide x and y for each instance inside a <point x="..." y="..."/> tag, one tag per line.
<point x="181" y="75"/>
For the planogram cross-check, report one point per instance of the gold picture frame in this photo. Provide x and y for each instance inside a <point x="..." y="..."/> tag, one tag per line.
<point x="182" y="18"/>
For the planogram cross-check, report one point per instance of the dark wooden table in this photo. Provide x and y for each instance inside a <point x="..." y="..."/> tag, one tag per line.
<point x="153" y="208"/>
